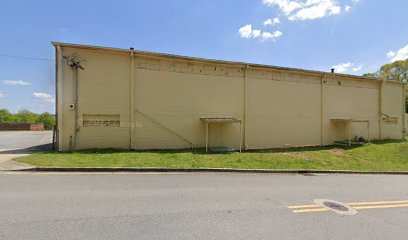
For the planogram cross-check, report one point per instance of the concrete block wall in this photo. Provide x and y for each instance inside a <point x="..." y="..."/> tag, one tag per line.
<point x="167" y="96"/>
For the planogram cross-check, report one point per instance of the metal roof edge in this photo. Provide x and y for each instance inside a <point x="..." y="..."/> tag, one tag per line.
<point x="166" y="55"/>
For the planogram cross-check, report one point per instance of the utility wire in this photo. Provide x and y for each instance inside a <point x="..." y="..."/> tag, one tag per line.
<point x="29" y="58"/>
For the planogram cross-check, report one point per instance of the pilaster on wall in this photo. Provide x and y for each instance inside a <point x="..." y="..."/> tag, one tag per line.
<point x="245" y="107"/>
<point x="380" y="108"/>
<point x="131" y="99"/>
<point x="322" y="110"/>
<point x="59" y="98"/>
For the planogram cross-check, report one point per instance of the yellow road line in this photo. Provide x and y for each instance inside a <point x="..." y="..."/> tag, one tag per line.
<point x="356" y="205"/>
<point x="377" y="203"/>
<point x="308" y="210"/>
<point x="352" y="204"/>
<point x="302" y="206"/>
<point x="311" y="210"/>
<point x="382" y="206"/>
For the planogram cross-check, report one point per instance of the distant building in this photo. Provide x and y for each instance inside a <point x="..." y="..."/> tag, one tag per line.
<point x="123" y="98"/>
<point x="22" y="127"/>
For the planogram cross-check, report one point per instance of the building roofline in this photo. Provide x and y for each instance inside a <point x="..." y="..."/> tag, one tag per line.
<point x="156" y="54"/>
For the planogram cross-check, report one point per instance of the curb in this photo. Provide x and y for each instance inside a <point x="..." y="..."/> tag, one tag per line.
<point x="192" y="170"/>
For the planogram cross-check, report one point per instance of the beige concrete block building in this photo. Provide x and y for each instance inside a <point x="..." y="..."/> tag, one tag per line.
<point x="128" y="99"/>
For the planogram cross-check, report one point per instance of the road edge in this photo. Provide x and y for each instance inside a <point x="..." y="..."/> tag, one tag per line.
<point x="192" y="170"/>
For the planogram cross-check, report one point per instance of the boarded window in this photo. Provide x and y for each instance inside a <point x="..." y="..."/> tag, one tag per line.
<point x="101" y="120"/>
<point x="391" y="120"/>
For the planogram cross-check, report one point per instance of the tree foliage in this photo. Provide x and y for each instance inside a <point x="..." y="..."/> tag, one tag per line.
<point x="406" y="99"/>
<point x="397" y="71"/>
<point x="25" y="116"/>
<point x="376" y="74"/>
<point x="47" y="119"/>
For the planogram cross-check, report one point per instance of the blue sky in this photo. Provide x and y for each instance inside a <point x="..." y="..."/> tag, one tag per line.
<point x="356" y="36"/>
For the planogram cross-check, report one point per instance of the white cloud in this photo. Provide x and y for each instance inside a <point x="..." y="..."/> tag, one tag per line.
<point x="306" y="9"/>
<point x="271" y="36"/>
<point x="267" y="36"/>
<point x="356" y="69"/>
<point x="343" y="67"/>
<point x="319" y="10"/>
<point x="42" y="97"/>
<point x="348" y="7"/>
<point x="256" y="33"/>
<point x="15" y="83"/>
<point x="347" y="67"/>
<point x="271" y="21"/>
<point x="286" y="6"/>
<point x="277" y="34"/>
<point x="398" y="55"/>
<point x="2" y="95"/>
<point x="247" y="32"/>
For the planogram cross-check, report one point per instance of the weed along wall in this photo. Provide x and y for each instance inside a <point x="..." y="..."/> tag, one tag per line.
<point x="137" y="100"/>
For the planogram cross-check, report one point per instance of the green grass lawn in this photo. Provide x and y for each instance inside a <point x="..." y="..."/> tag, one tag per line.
<point x="377" y="156"/>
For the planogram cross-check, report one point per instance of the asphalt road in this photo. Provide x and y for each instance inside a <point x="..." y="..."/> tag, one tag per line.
<point x="11" y="140"/>
<point x="196" y="206"/>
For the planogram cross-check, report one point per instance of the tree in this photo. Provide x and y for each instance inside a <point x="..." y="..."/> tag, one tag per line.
<point x="397" y="71"/>
<point x="406" y="99"/>
<point x="47" y="119"/>
<point x="5" y="116"/>
<point x="25" y="116"/>
<point x="375" y="75"/>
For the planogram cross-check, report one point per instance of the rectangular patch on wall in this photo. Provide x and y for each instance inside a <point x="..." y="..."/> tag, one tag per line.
<point x="101" y="120"/>
<point x="391" y="120"/>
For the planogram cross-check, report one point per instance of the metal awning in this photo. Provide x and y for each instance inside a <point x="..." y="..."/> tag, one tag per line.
<point x="220" y="120"/>
<point x="348" y="121"/>
<point x="211" y="120"/>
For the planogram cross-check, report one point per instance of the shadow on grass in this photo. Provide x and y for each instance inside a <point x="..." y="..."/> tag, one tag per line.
<point x="201" y="151"/>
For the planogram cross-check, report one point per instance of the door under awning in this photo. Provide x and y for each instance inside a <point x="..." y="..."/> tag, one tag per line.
<point x="348" y="121"/>
<point x="215" y="120"/>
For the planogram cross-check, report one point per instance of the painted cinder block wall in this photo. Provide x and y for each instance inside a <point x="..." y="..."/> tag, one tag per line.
<point x="160" y="98"/>
<point x="22" y="127"/>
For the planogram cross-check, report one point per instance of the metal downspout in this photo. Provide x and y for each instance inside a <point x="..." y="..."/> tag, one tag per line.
<point x="58" y="96"/>
<point x="245" y="106"/>
<point x="54" y="130"/>
<point x="322" y="109"/>
<point x="131" y="104"/>
<point x="75" y="71"/>
<point x="380" y="108"/>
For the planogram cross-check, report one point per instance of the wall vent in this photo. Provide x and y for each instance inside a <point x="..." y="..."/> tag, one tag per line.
<point x="101" y="120"/>
<point x="391" y="120"/>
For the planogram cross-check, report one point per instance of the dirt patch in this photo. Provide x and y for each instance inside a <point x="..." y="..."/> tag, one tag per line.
<point x="343" y="153"/>
<point x="337" y="152"/>
<point x="298" y="156"/>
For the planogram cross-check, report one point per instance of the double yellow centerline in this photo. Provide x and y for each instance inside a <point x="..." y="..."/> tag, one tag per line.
<point x="356" y="205"/>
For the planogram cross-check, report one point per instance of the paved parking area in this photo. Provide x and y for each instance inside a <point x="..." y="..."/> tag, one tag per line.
<point x="23" y="139"/>
<point x="21" y="143"/>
